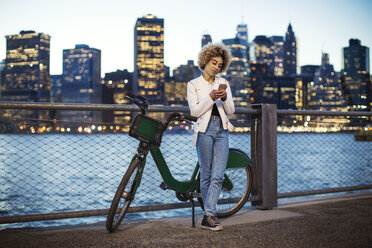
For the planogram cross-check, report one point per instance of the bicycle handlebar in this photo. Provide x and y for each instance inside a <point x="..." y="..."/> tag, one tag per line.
<point x="181" y="117"/>
<point x="140" y="101"/>
<point x="190" y="118"/>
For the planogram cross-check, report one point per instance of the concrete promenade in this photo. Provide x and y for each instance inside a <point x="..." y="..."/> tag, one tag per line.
<point x="329" y="221"/>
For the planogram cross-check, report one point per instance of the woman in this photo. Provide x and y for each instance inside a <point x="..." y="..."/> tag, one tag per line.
<point x="210" y="100"/>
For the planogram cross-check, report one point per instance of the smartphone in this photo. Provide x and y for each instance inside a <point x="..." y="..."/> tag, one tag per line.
<point x="222" y="87"/>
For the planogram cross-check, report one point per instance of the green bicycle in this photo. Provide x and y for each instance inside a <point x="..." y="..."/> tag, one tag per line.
<point x="236" y="186"/>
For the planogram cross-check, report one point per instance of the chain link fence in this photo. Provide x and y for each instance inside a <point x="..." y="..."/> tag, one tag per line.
<point x="50" y="168"/>
<point x="330" y="158"/>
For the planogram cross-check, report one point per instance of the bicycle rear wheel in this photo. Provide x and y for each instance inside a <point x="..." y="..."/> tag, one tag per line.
<point x="123" y="197"/>
<point x="232" y="199"/>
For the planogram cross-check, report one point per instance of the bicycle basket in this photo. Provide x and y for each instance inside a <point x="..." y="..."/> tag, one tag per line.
<point x="147" y="129"/>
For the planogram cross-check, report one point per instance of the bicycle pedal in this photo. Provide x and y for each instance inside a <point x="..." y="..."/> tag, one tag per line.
<point x="195" y="194"/>
<point x="163" y="186"/>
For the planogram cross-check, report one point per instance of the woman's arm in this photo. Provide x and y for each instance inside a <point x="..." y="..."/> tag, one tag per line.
<point x="198" y="105"/>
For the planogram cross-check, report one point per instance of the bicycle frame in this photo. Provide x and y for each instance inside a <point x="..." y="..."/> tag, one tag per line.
<point x="174" y="184"/>
<point x="236" y="159"/>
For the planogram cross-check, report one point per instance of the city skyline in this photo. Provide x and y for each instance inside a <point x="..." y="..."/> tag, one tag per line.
<point x="110" y="26"/>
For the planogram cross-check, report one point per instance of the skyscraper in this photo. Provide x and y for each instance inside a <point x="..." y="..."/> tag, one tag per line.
<point x="81" y="80"/>
<point x="262" y="52"/>
<point x="81" y="74"/>
<point x="185" y="73"/>
<point x="175" y="87"/>
<point x="256" y="78"/>
<point x="290" y="52"/>
<point x="327" y="95"/>
<point x="27" y="67"/>
<point x="303" y="85"/>
<point x="242" y="33"/>
<point x="26" y="78"/>
<point x="149" y="58"/>
<point x="206" y="39"/>
<point x="56" y="82"/>
<point x="278" y="51"/>
<point x="279" y="90"/>
<point x="237" y="73"/>
<point x="355" y="76"/>
<point x="175" y="92"/>
<point x="309" y="69"/>
<point x="116" y="85"/>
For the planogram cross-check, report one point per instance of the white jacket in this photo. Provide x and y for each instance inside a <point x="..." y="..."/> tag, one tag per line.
<point x="201" y="104"/>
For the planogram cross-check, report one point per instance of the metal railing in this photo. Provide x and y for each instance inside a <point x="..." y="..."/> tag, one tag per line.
<point x="60" y="175"/>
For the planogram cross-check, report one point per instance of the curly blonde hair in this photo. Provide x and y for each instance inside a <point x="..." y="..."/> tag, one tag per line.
<point x="210" y="51"/>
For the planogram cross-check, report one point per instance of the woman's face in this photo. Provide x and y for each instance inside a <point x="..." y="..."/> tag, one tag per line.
<point x="213" y="67"/>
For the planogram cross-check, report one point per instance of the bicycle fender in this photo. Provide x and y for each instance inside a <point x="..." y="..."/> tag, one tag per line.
<point x="237" y="159"/>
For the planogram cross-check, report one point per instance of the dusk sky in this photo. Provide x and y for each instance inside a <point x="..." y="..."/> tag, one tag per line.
<point x="319" y="25"/>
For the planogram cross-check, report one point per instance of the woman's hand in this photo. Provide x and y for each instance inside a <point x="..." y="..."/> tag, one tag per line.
<point x="216" y="94"/>
<point x="223" y="95"/>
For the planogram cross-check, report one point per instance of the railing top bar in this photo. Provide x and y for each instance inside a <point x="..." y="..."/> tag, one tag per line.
<point x="156" y="108"/>
<point x="247" y="111"/>
<point x="100" y="107"/>
<point x="323" y="113"/>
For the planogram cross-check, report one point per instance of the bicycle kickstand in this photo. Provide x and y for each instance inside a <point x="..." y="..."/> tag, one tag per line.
<point x="193" y="212"/>
<point x="193" y="195"/>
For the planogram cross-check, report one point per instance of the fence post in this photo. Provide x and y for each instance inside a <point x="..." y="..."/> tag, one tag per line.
<point x="264" y="156"/>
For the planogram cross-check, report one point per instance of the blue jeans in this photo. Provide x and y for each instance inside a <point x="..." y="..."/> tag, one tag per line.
<point x="213" y="150"/>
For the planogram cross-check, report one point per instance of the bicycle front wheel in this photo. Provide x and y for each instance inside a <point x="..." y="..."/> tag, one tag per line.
<point x="123" y="197"/>
<point x="235" y="191"/>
